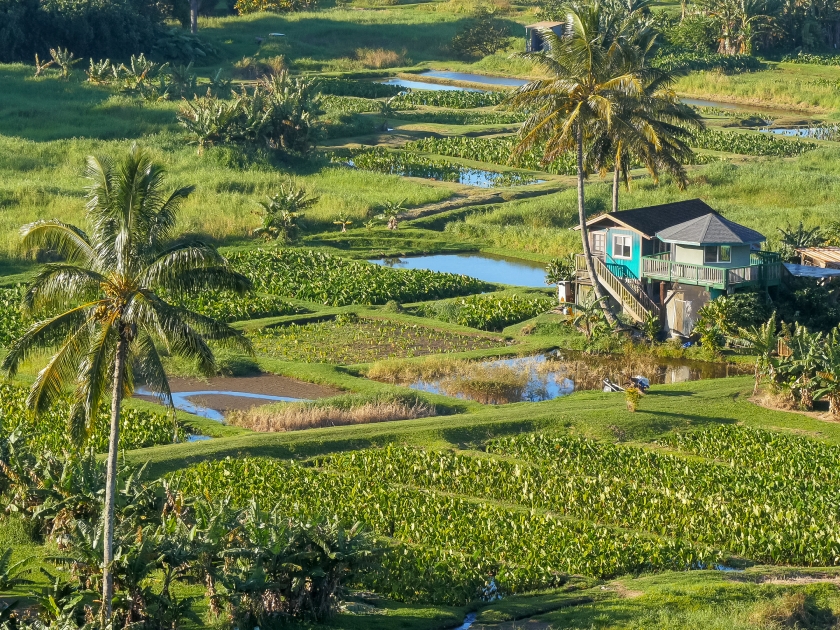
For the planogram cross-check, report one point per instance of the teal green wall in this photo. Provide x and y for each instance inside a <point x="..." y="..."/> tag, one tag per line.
<point x="634" y="264"/>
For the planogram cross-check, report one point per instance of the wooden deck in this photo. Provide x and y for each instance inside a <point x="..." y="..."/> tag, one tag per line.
<point x="765" y="270"/>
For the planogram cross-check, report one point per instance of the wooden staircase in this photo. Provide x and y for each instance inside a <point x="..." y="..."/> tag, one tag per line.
<point x="634" y="301"/>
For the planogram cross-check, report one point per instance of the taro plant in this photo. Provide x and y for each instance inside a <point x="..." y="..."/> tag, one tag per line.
<point x="111" y="319"/>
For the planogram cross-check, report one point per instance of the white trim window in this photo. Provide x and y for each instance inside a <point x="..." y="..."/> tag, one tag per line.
<point x="622" y="246"/>
<point x="717" y="254"/>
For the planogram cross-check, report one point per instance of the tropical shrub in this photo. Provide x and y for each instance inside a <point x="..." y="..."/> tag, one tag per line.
<point x="326" y="279"/>
<point x="489" y="312"/>
<point x="483" y="35"/>
<point x="279" y="113"/>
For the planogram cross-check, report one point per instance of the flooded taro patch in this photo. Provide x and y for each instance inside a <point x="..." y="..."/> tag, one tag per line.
<point x="408" y="164"/>
<point x="349" y="340"/>
<point x="543" y="376"/>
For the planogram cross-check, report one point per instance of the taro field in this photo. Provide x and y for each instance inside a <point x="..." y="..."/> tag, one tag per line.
<point x="533" y="508"/>
<point x="349" y="340"/>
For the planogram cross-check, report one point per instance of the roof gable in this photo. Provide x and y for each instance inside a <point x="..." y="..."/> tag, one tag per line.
<point x="652" y="219"/>
<point x="711" y="229"/>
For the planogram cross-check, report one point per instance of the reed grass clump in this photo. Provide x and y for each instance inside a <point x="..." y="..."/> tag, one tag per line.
<point x="332" y="412"/>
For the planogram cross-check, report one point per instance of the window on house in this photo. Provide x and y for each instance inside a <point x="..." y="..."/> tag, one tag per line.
<point x="717" y="254"/>
<point x="622" y="246"/>
<point x="598" y="243"/>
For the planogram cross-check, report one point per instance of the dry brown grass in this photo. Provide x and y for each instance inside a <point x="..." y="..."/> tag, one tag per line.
<point x="299" y="416"/>
<point x="381" y="58"/>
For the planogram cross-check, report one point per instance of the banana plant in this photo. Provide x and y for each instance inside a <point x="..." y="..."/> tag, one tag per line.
<point x="764" y="342"/>
<point x="65" y="60"/>
<point x="343" y="220"/>
<point x="829" y="373"/>
<point x="390" y="212"/>
<point x="100" y="72"/>
<point x="12" y="573"/>
<point x="40" y="66"/>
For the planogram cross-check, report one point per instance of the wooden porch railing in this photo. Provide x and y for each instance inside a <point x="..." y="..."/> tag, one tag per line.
<point x="636" y="303"/>
<point x="766" y="270"/>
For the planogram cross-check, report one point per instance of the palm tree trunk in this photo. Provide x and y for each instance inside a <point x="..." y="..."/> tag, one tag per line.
<point x="584" y="233"/>
<point x="111" y="480"/>
<point x="195" y="6"/>
<point x="615" y="185"/>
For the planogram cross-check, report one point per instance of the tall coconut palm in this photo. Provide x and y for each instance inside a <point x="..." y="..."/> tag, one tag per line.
<point x="594" y="67"/>
<point x="654" y="130"/>
<point x="111" y="318"/>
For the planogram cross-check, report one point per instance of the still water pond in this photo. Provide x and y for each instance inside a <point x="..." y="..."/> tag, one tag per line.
<point x="559" y="373"/>
<point x="522" y="273"/>
<point x="181" y="401"/>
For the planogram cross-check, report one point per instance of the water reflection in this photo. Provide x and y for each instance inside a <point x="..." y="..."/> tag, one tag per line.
<point x="521" y="273"/>
<point x="559" y="373"/>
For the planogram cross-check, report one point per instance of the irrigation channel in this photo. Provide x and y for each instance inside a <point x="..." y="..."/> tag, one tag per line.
<point x="558" y="373"/>
<point x="521" y="273"/>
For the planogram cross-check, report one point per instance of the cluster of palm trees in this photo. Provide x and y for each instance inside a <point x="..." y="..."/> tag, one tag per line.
<point x="801" y="365"/>
<point x="606" y="102"/>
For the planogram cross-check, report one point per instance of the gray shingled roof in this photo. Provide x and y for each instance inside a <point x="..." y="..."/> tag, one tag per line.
<point x="711" y="229"/>
<point x="652" y="219"/>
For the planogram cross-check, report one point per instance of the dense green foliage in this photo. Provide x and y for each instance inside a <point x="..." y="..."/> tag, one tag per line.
<point x="320" y="277"/>
<point x="447" y="546"/>
<point x="138" y="429"/>
<point x="451" y="99"/>
<point x="12" y="322"/>
<point x="692" y="60"/>
<point x="410" y="164"/>
<point x="445" y="117"/>
<point x="347" y="341"/>
<point x="750" y="143"/>
<point x="229" y="307"/>
<point x="494" y="150"/>
<point x="489" y="312"/>
<point x="114" y="29"/>
<point x="350" y="87"/>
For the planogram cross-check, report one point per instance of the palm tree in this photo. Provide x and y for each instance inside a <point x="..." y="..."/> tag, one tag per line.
<point x="654" y="131"/>
<point x="764" y="342"/>
<point x="111" y="319"/>
<point x="595" y="67"/>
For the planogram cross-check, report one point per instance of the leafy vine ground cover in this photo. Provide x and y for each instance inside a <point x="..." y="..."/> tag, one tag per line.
<point x="348" y="341"/>
<point x="543" y="505"/>
<point x="335" y="281"/>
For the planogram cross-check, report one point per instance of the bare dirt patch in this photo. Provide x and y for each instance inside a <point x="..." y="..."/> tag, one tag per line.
<point x="265" y="384"/>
